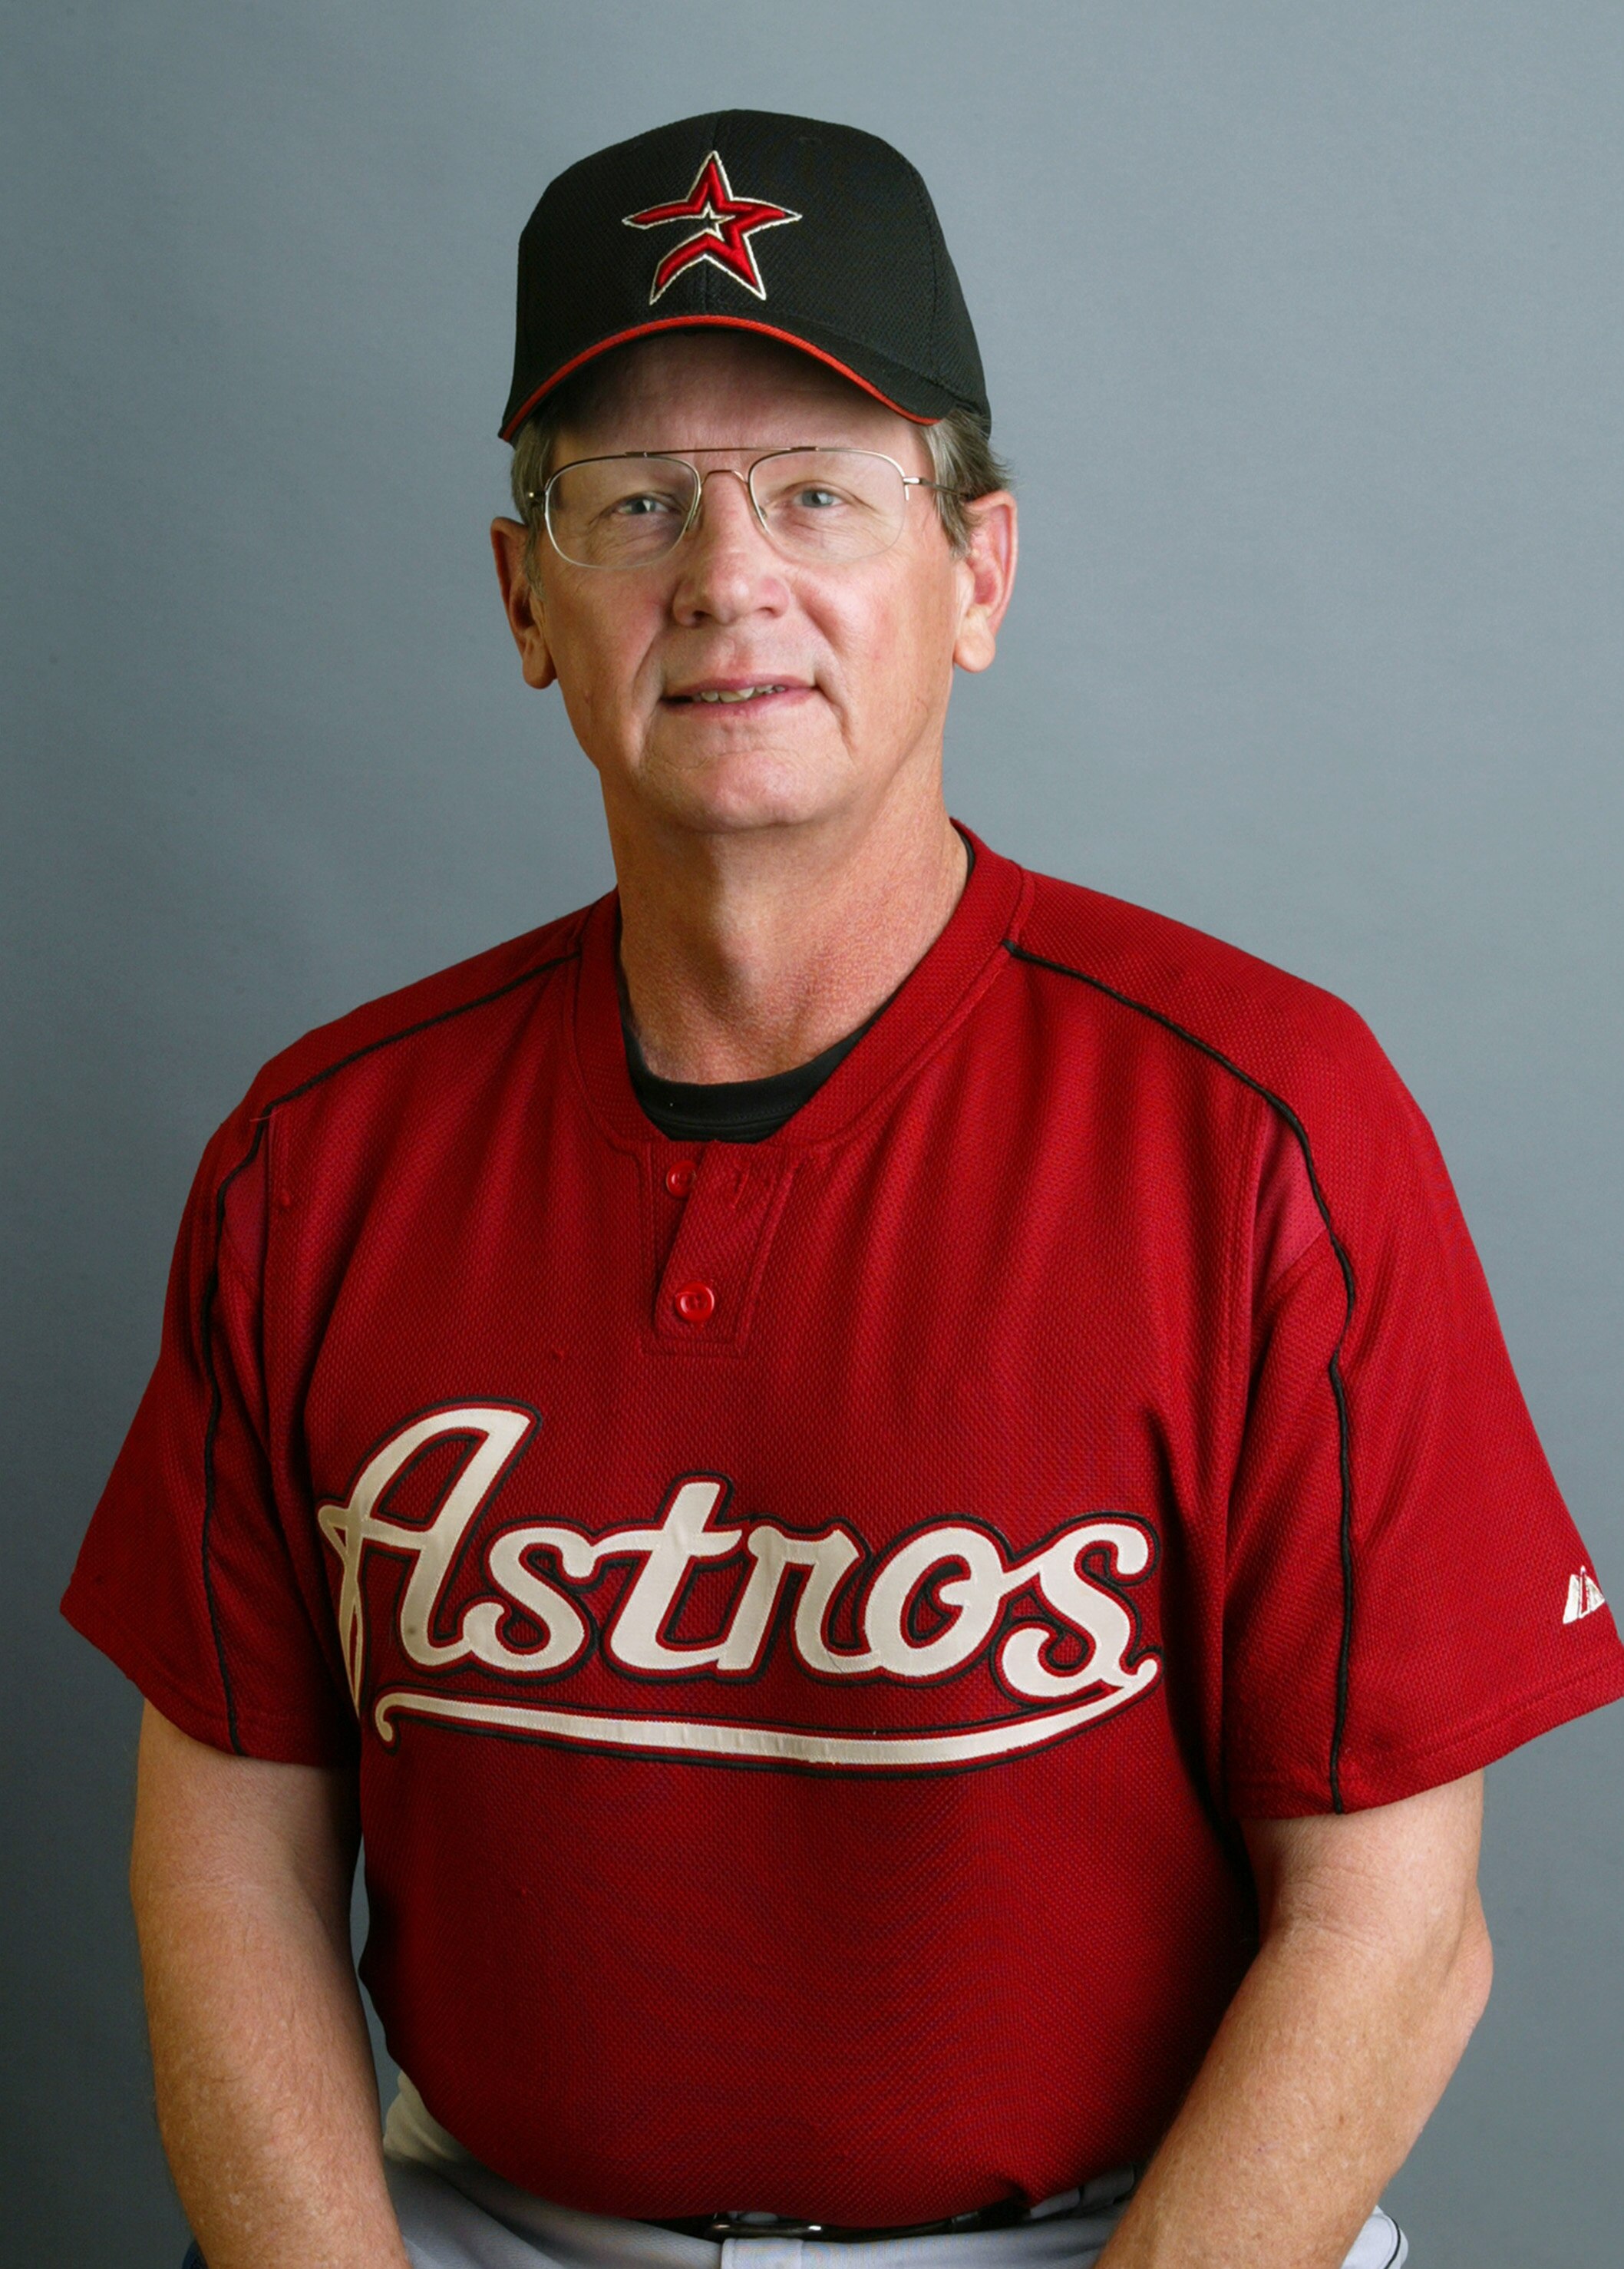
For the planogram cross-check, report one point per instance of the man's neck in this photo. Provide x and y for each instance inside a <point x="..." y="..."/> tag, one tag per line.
<point x="743" y="957"/>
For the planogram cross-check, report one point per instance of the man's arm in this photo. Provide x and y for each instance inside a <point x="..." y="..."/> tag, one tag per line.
<point x="1374" y="1967"/>
<point x="267" y="2102"/>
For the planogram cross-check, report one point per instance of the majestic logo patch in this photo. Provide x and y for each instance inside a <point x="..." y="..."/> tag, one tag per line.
<point x="1047" y="1639"/>
<point x="726" y="226"/>
<point x="1585" y="1596"/>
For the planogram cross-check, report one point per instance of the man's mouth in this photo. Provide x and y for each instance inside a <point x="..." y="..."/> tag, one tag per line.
<point x="733" y="693"/>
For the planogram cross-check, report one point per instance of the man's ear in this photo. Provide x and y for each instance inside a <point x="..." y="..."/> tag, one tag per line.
<point x="988" y="569"/>
<point x="521" y="604"/>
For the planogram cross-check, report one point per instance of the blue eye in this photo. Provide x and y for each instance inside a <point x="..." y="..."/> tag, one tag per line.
<point x="641" y="508"/>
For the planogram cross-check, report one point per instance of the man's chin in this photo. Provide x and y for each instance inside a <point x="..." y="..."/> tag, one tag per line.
<point x="741" y="787"/>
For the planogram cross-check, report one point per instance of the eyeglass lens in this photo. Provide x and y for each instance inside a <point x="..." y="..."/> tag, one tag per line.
<point x="815" y="504"/>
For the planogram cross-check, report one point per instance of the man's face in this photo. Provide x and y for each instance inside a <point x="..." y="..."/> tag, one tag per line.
<point x="860" y="656"/>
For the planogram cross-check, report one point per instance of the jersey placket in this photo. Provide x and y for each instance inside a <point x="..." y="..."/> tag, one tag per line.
<point x="706" y="1292"/>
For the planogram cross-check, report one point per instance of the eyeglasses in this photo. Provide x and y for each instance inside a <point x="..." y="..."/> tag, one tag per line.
<point x="823" y="506"/>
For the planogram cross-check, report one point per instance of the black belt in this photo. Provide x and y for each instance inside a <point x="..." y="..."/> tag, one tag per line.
<point x="1004" y="2213"/>
<point x="718" y="2226"/>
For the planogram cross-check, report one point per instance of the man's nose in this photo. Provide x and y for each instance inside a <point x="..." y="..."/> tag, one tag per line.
<point x="728" y="565"/>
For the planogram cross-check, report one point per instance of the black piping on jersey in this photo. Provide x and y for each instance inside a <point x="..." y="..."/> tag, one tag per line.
<point x="211" y="1287"/>
<point x="1333" y="1368"/>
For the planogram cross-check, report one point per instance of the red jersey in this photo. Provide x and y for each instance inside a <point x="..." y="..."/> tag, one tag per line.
<point x="811" y="1616"/>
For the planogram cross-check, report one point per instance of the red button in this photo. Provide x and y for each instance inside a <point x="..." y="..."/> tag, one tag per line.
<point x="680" y="1179"/>
<point x="694" y="1302"/>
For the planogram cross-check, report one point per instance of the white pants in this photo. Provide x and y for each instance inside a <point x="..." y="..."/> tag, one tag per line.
<point x="455" y="2214"/>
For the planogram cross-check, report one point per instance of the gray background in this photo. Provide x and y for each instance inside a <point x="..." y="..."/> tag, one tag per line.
<point x="1302" y="329"/>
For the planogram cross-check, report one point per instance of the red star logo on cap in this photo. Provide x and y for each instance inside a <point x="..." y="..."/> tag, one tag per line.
<point x="724" y="239"/>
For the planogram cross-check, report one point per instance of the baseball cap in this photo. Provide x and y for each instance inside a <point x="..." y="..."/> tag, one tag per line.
<point x="821" y="236"/>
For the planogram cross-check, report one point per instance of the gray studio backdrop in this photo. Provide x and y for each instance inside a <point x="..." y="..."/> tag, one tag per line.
<point x="1302" y="329"/>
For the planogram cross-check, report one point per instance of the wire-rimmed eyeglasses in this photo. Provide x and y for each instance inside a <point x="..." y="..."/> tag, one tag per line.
<point x="820" y="506"/>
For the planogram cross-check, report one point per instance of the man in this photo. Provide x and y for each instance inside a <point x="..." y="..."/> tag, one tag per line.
<point x="887" y="1488"/>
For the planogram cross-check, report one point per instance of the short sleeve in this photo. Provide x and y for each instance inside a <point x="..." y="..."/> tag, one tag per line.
<point x="196" y="1576"/>
<point x="1406" y="1597"/>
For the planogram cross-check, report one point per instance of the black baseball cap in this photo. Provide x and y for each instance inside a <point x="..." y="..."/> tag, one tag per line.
<point x="820" y="236"/>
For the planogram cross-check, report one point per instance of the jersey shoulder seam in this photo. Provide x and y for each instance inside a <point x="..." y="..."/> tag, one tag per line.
<point x="262" y="1114"/>
<point x="262" y="1111"/>
<point x="1076" y="924"/>
<point x="1209" y="1048"/>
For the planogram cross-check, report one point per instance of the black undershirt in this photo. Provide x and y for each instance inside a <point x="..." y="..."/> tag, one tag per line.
<point x="730" y="1109"/>
<point x="736" y="1110"/>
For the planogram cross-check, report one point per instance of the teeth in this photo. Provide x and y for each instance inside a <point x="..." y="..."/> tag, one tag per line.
<point x="745" y="693"/>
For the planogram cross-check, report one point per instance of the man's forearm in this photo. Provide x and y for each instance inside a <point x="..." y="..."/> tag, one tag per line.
<point x="266" y="2096"/>
<point x="1328" y="2063"/>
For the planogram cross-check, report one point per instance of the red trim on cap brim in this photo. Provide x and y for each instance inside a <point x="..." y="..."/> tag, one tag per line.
<point x="720" y="322"/>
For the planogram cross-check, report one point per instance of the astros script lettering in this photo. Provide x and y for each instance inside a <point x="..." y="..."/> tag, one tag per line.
<point x="1072" y="1580"/>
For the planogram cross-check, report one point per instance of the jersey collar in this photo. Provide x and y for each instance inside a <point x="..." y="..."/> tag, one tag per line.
<point x="928" y="1004"/>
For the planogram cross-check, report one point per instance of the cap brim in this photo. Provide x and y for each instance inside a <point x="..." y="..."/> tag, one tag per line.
<point x="869" y="384"/>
